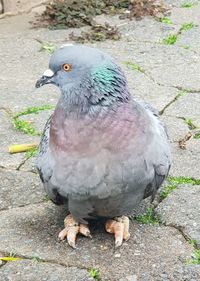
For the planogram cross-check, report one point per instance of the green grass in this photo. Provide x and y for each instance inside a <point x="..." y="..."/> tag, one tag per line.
<point x="192" y="242"/>
<point x="190" y="124"/>
<point x="12" y="254"/>
<point x="186" y="26"/>
<point x="183" y="180"/>
<point x="167" y="190"/>
<point x="187" y="5"/>
<point x="134" y="66"/>
<point x="195" y="254"/>
<point x="180" y="94"/>
<point x="25" y="126"/>
<point x="30" y="153"/>
<point x="33" y="110"/>
<point x="93" y="273"/>
<point x="196" y="257"/>
<point x="47" y="47"/>
<point x="165" y="20"/>
<point x="174" y="182"/>
<point x="197" y="135"/>
<point x="37" y="259"/>
<point x="148" y="217"/>
<point x="45" y="199"/>
<point x="170" y="39"/>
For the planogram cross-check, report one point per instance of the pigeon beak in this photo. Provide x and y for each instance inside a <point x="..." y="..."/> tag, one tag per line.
<point x="45" y="79"/>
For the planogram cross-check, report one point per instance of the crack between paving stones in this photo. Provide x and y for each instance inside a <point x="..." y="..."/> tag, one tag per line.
<point x="22" y="164"/>
<point x="176" y="97"/>
<point x="16" y="169"/>
<point x="168" y="105"/>
<point x="180" y="88"/>
<point x="180" y="230"/>
<point x="31" y="258"/>
<point x="22" y="206"/>
<point x="2" y="265"/>
<point x="141" y="41"/>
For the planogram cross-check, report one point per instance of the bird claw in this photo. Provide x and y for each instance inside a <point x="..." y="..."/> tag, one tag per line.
<point x="63" y="234"/>
<point x="72" y="228"/>
<point x="120" y="228"/>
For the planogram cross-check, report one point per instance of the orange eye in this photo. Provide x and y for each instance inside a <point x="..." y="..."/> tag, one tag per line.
<point x="66" y="67"/>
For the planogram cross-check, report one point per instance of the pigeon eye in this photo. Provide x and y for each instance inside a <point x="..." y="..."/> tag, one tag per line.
<point x="66" y="67"/>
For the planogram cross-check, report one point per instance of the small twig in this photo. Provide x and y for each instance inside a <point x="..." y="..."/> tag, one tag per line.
<point x="182" y="141"/>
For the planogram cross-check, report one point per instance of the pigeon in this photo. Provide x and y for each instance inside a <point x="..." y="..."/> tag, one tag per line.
<point x="102" y="151"/>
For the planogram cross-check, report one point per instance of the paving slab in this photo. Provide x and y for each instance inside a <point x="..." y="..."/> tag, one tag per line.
<point x="182" y="15"/>
<point x="169" y="75"/>
<point x="147" y="29"/>
<point x="178" y="3"/>
<point x="186" y="162"/>
<point x="26" y="270"/>
<point x="144" y="88"/>
<point x="10" y="136"/>
<point x="176" y="127"/>
<point x="19" y="188"/>
<point x="32" y="231"/>
<point x="188" y="273"/>
<point x="186" y="106"/>
<point x="187" y="217"/>
<point x="148" y="55"/>
<point x="191" y="40"/>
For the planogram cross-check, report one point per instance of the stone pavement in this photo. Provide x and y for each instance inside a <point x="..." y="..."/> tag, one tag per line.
<point x="29" y="224"/>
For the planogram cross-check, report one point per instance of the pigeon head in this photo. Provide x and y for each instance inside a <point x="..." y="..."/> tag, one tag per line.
<point x="87" y="73"/>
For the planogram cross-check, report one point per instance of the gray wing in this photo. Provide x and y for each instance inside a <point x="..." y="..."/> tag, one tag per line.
<point x="156" y="114"/>
<point x="42" y="151"/>
<point x="44" y="164"/>
<point x="163" y="163"/>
